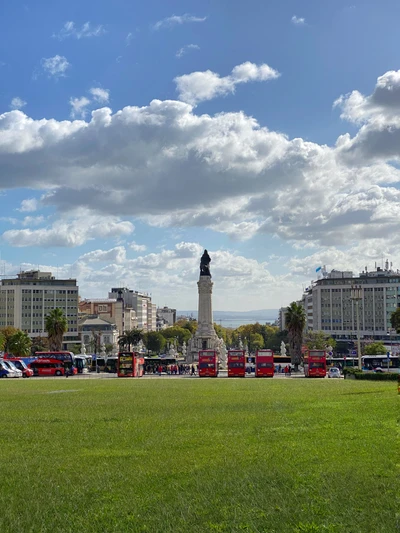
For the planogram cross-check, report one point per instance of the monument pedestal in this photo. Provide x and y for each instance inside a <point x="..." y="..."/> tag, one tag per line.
<point x="205" y="337"/>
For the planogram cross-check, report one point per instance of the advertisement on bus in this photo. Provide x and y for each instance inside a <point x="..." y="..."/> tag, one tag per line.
<point x="208" y="364"/>
<point x="265" y="364"/>
<point x="236" y="363"/>
<point x="130" y="365"/>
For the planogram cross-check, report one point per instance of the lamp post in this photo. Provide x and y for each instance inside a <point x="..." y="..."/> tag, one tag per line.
<point x="356" y="296"/>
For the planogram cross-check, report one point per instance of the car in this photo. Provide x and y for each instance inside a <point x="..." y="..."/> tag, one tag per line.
<point x="378" y="369"/>
<point x="334" y="372"/>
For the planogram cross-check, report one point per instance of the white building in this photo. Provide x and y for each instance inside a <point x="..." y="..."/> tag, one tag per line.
<point x="167" y="314"/>
<point x="141" y="303"/>
<point x="334" y="312"/>
<point x="26" y="300"/>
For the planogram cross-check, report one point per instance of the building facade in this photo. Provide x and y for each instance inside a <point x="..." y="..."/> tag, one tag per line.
<point x="140" y="302"/>
<point x="26" y="300"/>
<point x="334" y="312"/>
<point x="97" y="333"/>
<point x="109" y="309"/>
<point x="167" y="315"/>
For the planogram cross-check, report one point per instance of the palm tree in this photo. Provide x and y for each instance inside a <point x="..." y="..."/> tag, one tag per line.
<point x="130" y="338"/>
<point x="20" y="344"/>
<point x="56" y="325"/>
<point x="295" y="318"/>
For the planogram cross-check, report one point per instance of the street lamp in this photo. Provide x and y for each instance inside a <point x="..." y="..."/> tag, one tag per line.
<point x="356" y="296"/>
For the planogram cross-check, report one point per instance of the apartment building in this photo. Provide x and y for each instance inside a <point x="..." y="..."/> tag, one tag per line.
<point x="140" y="302"/>
<point x="167" y="315"/>
<point x="333" y="310"/>
<point x="26" y="300"/>
<point x="112" y="310"/>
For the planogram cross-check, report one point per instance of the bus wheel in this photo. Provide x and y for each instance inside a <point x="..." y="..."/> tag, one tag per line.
<point x="58" y="373"/>
<point x="24" y="376"/>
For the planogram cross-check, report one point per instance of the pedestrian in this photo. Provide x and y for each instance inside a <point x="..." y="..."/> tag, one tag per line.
<point x="193" y="370"/>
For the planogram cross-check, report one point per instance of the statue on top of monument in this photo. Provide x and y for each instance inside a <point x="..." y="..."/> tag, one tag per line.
<point x="205" y="264"/>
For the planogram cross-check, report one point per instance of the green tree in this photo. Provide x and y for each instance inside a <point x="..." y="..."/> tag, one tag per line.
<point x="375" y="348"/>
<point x="109" y="348"/>
<point x="2" y="341"/>
<point x="295" y="319"/>
<point x="318" y="340"/>
<point x="20" y="344"/>
<point x="56" y="325"/>
<point x="256" y="342"/>
<point x="183" y="334"/>
<point x="190" y="324"/>
<point x="39" y="344"/>
<point x="7" y="332"/>
<point x="130" y="338"/>
<point x="154" y="341"/>
<point x="395" y="320"/>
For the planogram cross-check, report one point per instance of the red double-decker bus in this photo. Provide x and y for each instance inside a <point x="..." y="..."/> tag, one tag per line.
<point x="208" y="364"/>
<point x="264" y="364"/>
<point x="47" y="366"/>
<point x="315" y="364"/>
<point x="130" y="365"/>
<point x="236" y="363"/>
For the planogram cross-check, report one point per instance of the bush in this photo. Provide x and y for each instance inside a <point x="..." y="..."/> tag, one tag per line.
<point x="377" y="376"/>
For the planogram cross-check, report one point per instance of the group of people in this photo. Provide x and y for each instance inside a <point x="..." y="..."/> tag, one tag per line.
<point x="173" y="369"/>
<point x="287" y="370"/>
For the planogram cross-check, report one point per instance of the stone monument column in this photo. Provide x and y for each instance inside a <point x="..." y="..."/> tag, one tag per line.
<point x="205" y="337"/>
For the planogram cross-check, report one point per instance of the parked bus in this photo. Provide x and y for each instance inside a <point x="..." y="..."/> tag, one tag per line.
<point x="342" y="362"/>
<point x="208" y="364"/>
<point x="315" y="364"/>
<point x="389" y="364"/>
<point x="67" y="358"/>
<point x="265" y="364"/>
<point x="236" y="363"/>
<point x="130" y="365"/>
<point x="43" y="366"/>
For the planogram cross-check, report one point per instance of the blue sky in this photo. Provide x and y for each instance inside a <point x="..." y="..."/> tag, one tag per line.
<point x="217" y="129"/>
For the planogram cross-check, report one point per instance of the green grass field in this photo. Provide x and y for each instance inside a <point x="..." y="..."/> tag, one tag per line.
<point x="191" y="455"/>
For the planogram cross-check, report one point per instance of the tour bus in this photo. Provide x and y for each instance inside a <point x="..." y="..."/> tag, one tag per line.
<point x="265" y="364"/>
<point x="236" y="363"/>
<point x="208" y="364"/>
<point x="46" y="366"/>
<point x="315" y="364"/>
<point x="130" y="365"/>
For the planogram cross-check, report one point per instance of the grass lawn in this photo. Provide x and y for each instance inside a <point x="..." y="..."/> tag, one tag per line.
<point x="192" y="455"/>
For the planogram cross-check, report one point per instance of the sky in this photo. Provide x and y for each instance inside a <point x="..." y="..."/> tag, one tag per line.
<point x="133" y="135"/>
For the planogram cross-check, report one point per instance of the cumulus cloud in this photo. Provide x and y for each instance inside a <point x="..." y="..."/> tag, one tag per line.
<point x="185" y="49"/>
<point x="100" y="95"/>
<point x="170" y="167"/>
<point x="298" y="21"/>
<point x="68" y="232"/>
<point x="379" y="118"/>
<point x="17" y="103"/>
<point x="137" y="247"/>
<point x="28" y="205"/>
<point x="177" y="20"/>
<point x="71" y="30"/>
<point x="201" y="86"/>
<point x="33" y="221"/>
<point x="78" y="106"/>
<point x="56" y="66"/>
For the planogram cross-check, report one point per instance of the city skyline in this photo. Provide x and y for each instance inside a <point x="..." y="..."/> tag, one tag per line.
<point x="133" y="137"/>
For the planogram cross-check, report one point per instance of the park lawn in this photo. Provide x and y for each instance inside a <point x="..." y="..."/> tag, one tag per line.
<point x="199" y="455"/>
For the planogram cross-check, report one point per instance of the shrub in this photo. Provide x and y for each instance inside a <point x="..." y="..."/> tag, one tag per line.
<point x="376" y="376"/>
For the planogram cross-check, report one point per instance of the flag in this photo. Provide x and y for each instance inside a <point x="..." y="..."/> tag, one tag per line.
<point x="318" y="269"/>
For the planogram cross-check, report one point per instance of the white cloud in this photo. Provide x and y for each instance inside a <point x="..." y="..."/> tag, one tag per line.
<point x="185" y="49"/>
<point x="128" y="38"/>
<point x="17" y="103"/>
<point x="78" y="106"/>
<point x="55" y="66"/>
<point x="169" y="167"/>
<point x="70" y="30"/>
<point x="68" y="232"/>
<point x="33" y="221"/>
<point x="201" y="86"/>
<point x="137" y="247"/>
<point x="100" y="95"/>
<point x="298" y="21"/>
<point x="177" y="20"/>
<point x="28" y="205"/>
